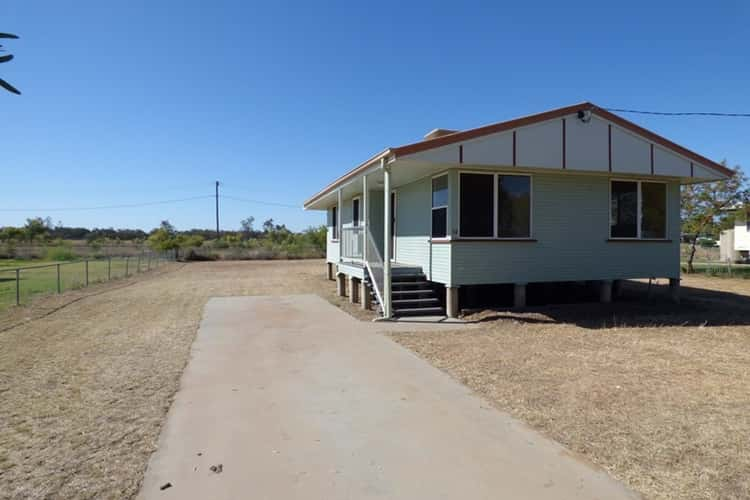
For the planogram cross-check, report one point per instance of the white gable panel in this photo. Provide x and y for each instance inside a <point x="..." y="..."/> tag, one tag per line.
<point x="587" y="144"/>
<point x="443" y="154"/>
<point x="704" y="173"/>
<point x="630" y="154"/>
<point x="540" y="145"/>
<point x="668" y="163"/>
<point x="496" y="149"/>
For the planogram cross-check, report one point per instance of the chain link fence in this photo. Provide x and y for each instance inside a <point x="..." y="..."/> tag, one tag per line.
<point x="19" y="284"/>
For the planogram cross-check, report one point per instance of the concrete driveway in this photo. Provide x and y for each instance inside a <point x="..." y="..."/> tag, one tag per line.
<point x="297" y="400"/>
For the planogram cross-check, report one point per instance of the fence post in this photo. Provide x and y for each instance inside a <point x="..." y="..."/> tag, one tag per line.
<point x="138" y="269"/>
<point x="109" y="268"/>
<point x="148" y="262"/>
<point x="18" y="287"/>
<point x="126" y="265"/>
<point x="59" y="287"/>
<point x="86" y="267"/>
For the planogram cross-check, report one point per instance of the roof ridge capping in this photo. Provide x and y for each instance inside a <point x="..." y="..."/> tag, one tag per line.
<point x="493" y="128"/>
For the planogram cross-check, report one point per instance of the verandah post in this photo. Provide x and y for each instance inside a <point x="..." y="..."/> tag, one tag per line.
<point x="386" y="239"/>
<point x="365" y="217"/>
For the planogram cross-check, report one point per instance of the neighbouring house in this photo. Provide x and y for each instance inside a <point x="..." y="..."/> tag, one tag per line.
<point x="734" y="244"/>
<point x="571" y="194"/>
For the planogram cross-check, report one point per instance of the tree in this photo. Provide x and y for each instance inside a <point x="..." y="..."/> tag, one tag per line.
<point x="164" y="238"/>
<point x="35" y="228"/>
<point x="247" y="225"/>
<point x="706" y="207"/>
<point x="4" y="59"/>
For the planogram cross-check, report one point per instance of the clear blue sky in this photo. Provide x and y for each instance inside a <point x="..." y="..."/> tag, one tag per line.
<point x="128" y="102"/>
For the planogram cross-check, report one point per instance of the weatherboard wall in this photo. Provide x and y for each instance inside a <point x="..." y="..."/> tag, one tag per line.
<point x="570" y="240"/>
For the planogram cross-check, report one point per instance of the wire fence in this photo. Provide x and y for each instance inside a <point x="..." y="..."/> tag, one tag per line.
<point x="19" y="284"/>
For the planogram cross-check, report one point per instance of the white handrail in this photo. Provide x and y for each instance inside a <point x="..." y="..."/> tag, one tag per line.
<point x="374" y="265"/>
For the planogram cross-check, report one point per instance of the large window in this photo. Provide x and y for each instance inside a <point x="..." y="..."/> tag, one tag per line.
<point x="440" y="206"/>
<point x="495" y="206"/>
<point x="335" y="223"/>
<point x="638" y="210"/>
<point x="477" y="205"/>
<point x="513" y="206"/>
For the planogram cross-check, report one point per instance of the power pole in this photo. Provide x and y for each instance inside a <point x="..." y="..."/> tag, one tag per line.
<point x="217" y="210"/>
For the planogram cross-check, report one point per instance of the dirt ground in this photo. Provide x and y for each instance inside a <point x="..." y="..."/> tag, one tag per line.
<point x="87" y="377"/>
<point x="655" y="393"/>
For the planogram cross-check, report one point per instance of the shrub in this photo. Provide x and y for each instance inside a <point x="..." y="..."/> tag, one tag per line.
<point x="60" y="252"/>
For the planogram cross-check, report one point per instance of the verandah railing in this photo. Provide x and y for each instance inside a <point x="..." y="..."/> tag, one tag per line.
<point x="352" y="242"/>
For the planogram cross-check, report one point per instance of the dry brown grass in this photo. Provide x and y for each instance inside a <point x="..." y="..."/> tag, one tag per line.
<point x="85" y="387"/>
<point x="657" y="394"/>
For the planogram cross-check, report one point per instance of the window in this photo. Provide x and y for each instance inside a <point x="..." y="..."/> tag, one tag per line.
<point x="440" y="206"/>
<point x="355" y="212"/>
<point x="513" y="206"/>
<point x="335" y="223"/>
<point x="653" y="210"/>
<point x="638" y="210"/>
<point x="495" y="206"/>
<point x="477" y="205"/>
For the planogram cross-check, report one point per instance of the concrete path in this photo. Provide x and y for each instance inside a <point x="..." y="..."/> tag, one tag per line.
<point x="297" y="400"/>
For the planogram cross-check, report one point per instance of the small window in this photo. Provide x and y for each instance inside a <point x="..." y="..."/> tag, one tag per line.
<point x="638" y="210"/>
<point x="335" y="223"/>
<point x="513" y="206"/>
<point x="440" y="206"/>
<point x="623" y="221"/>
<point x="355" y="212"/>
<point x="653" y="210"/>
<point x="477" y="205"/>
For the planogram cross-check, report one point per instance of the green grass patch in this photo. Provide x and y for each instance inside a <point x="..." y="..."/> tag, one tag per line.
<point x="42" y="277"/>
<point x="720" y="269"/>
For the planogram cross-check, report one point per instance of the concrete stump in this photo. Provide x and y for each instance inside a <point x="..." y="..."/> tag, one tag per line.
<point x="605" y="291"/>
<point x="341" y="284"/>
<point x="364" y="296"/>
<point x="451" y="301"/>
<point x="674" y="289"/>
<point x="353" y="289"/>
<point x="519" y="295"/>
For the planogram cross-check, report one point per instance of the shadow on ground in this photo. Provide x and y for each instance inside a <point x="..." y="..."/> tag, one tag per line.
<point x="633" y="308"/>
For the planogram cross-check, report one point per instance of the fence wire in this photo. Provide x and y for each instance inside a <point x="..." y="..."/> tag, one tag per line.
<point x="19" y="284"/>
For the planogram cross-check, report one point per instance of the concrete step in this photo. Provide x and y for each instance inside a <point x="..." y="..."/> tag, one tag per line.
<point x="408" y="277"/>
<point x="420" y="311"/>
<point x="406" y="303"/>
<point x="412" y="293"/>
<point x="411" y="285"/>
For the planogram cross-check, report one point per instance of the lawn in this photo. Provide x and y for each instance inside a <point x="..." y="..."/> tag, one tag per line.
<point x="655" y="393"/>
<point x="40" y="277"/>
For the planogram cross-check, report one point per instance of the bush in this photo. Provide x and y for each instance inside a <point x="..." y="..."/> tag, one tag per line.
<point x="60" y="252"/>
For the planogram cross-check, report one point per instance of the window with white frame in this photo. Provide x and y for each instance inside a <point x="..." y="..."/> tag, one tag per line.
<point x="638" y="210"/>
<point x="494" y="205"/>
<point x="440" y="206"/>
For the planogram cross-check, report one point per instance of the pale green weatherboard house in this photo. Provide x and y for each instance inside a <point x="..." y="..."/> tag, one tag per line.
<point x="571" y="194"/>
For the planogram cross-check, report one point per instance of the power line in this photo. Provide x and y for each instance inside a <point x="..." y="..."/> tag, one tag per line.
<point x="684" y="113"/>
<point x="106" y="207"/>
<point x="258" y="202"/>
